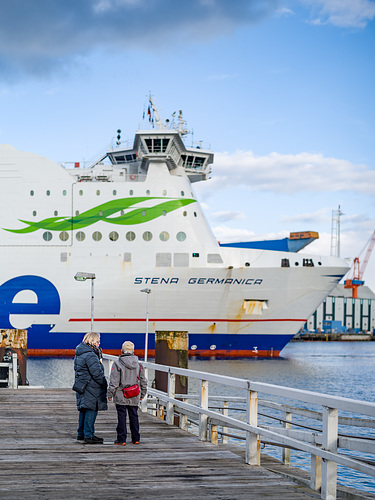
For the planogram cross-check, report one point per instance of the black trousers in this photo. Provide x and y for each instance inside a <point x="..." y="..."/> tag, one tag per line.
<point x="133" y="422"/>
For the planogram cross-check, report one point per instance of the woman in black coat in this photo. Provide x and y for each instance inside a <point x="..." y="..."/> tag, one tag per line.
<point x="90" y="386"/>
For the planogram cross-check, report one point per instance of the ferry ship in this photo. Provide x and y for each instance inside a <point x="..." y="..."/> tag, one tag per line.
<point x="131" y="221"/>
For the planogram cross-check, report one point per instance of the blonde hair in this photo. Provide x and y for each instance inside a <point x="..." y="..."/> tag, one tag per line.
<point x="128" y="346"/>
<point x="91" y="338"/>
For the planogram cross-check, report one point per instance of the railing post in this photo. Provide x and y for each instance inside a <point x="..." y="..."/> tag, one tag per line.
<point x="144" y="400"/>
<point x="203" y="401"/>
<point x="316" y="473"/>
<point x="329" y="468"/>
<point x="224" y="428"/>
<point x="252" y="440"/>
<point x="287" y="425"/>
<point x="214" y="434"/>
<point x="14" y="371"/>
<point x="184" y="418"/>
<point x="171" y="394"/>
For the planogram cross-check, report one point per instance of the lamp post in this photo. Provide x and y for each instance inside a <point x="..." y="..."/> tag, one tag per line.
<point x="84" y="277"/>
<point x="147" y="291"/>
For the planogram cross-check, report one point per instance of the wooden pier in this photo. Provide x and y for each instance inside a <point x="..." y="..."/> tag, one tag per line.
<point x="40" y="458"/>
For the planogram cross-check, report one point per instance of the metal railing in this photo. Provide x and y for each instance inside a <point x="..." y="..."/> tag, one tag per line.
<point x="321" y="443"/>
<point x="12" y="379"/>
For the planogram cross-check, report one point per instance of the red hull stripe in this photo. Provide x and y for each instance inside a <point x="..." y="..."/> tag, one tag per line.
<point x="69" y="353"/>
<point x="128" y="320"/>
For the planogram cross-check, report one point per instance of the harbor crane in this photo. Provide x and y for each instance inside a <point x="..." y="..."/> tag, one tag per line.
<point x="357" y="270"/>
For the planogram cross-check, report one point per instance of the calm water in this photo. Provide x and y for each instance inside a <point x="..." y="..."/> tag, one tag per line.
<point x="337" y="368"/>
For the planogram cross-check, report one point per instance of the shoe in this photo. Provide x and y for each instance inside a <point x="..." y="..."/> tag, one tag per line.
<point x="120" y="443"/>
<point x="135" y="442"/>
<point x="80" y="438"/>
<point x="93" y="440"/>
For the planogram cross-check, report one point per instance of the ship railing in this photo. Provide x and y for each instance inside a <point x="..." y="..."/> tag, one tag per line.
<point x="214" y="415"/>
<point x="12" y="370"/>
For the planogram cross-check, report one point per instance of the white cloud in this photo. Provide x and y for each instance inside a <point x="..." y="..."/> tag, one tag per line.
<point x="227" y="216"/>
<point x="303" y="172"/>
<point x="342" y="13"/>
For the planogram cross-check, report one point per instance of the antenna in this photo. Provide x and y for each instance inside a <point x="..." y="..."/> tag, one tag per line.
<point x="335" y="232"/>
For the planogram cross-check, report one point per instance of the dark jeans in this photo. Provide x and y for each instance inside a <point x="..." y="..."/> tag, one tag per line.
<point x="86" y="423"/>
<point x="121" y="423"/>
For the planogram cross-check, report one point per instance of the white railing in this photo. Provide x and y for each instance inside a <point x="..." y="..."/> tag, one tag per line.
<point x="12" y="379"/>
<point x="321" y="443"/>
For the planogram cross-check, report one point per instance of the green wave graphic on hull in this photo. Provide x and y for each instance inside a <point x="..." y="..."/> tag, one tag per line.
<point x="105" y="212"/>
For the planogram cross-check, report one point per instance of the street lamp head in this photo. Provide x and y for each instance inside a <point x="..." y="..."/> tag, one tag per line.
<point x="146" y="290"/>
<point x="84" y="276"/>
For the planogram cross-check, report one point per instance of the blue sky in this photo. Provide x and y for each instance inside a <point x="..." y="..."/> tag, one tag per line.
<point x="281" y="90"/>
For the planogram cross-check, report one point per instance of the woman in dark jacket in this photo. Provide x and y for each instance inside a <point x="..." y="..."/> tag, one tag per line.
<point x="90" y="386"/>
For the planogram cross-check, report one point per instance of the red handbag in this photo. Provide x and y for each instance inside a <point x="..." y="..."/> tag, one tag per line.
<point x="133" y="390"/>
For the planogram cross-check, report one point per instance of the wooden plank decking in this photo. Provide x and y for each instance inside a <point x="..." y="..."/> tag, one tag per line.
<point x="40" y="458"/>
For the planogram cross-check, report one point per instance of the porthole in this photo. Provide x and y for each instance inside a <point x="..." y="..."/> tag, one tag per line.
<point x="80" y="236"/>
<point x="64" y="192"/>
<point x="147" y="236"/>
<point x="97" y="192"/>
<point x="296" y="263"/>
<point x="148" y="192"/>
<point x="97" y="236"/>
<point x="131" y="192"/>
<point x="184" y="213"/>
<point x="144" y="213"/>
<point x="77" y="212"/>
<point x="164" y="212"/>
<point x="47" y="236"/>
<point x="114" y="192"/>
<point x="181" y="236"/>
<point x="122" y="212"/>
<point x="164" y="192"/>
<point x="64" y="236"/>
<point x="48" y="192"/>
<point x="55" y="213"/>
<point x="34" y="213"/>
<point x="80" y="192"/>
<point x="182" y="193"/>
<point x="100" y="212"/>
<point x="113" y="236"/>
<point x="31" y="193"/>
<point x="195" y="214"/>
<point x="130" y="236"/>
<point x="319" y="263"/>
<point x="164" y="236"/>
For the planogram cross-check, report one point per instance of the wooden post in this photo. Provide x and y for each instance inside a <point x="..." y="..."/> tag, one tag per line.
<point x="329" y="468"/>
<point x="224" y="428"/>
<point x="203" y="400"/>
<point x="286" y="451"/>
<point x="171" y="394"/>
<point x="15" y="341"/>
<point x="252" y="440"/>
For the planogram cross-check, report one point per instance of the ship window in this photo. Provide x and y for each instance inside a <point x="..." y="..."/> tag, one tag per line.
<point x="164" y="236"/>
<point x="198" y="162"/>
<point x="130" y="236"/>
<point x="147" y="236"/>
<point x="80" y="192"/>
<point x="148" y="192"/>
<point x="64" y="236"/>
<point x="163" y="260"/>
<point x="181" y="236"/>
<point x="31" y="193"/>
<point x="157" y="145"/>
<point x="190" y="160"/>
<point x="165" y="144"/>
<point x="129" y="157"/>
<point x="164" y="192"/>
<point x="77" y="212"/>
<point x="100" y="212"/>
<point x="34" y="213"/>
<point x="164" y="212"/>
<point x="183" y="158"/>
<point x="184" y="213"/>
<point x="149" y="145"/>
<point x="195" y="214"/>
<point x="144" y="213"/>
<point x="97" y="236"/>
<point x="80" y="236"/>
<point x="64" y="192"/>
<point x="127" y="257"/>
<point x="120" y="159"/>
<point x="113" y="236"/>
<point x="48" y="192"/>
<point x="114" y="192"/>
<point x="181" y="260"/>
<point x="47" y="236"/>
<point x="63" y="257"/>
<point x="182" y="193"/>
<point x="97" y="192"/>
<point x="55" y="213"/>
<point x="131" y="192"/>
<point x="214" y="258"/>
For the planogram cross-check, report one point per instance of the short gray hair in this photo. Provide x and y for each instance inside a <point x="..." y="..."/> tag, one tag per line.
<point x="128" y="346"/>
<point x="91" y="338"/>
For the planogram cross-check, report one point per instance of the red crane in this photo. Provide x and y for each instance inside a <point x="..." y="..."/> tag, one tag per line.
<point x="357" y="271"/>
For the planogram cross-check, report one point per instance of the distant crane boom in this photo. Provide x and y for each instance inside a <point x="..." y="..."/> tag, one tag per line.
<point x="358" y="270"/>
